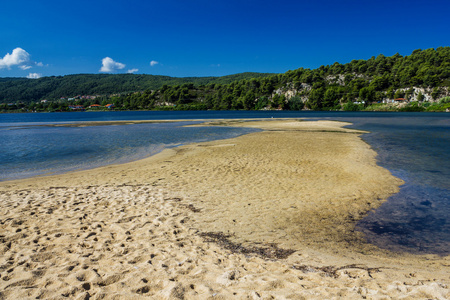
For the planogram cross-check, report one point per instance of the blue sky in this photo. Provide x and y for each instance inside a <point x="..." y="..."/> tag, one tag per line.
<point x="209" y="38"/>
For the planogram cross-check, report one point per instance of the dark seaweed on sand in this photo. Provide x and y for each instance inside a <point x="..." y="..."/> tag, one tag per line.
<point x="331" y="271"/>
<point x="271" y="251"/>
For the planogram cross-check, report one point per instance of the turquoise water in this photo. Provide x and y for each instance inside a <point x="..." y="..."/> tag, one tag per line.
<point x="28" y="150"/>
<point x="413" y="146"/>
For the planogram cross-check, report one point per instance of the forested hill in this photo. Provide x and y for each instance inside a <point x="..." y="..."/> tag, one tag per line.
<point x="419" y="78"/>
<point x="423" y="76"/>
<point x="55" y="87"/>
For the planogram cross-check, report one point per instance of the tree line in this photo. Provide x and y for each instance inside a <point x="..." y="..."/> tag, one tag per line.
<point x="26" y="90"/>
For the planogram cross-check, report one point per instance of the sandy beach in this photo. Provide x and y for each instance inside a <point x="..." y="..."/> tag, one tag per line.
<point x="267" y="215"/>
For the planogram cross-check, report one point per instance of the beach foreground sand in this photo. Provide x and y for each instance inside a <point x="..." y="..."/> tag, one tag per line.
<point x="268" y="215"/>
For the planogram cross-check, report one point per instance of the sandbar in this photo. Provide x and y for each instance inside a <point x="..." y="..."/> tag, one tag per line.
<point x="267" y="215"/>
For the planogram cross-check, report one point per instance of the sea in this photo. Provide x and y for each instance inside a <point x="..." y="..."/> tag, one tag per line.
<point x="413" y="146"/>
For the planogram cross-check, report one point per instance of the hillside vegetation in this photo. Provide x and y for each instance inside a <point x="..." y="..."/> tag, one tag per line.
<point x="57" y="87"/>
<point x="422" y="79"/>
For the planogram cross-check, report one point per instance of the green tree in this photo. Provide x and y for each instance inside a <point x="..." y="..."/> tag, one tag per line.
<point x="262" y="102"/>
<point x="249" y="100"/>
<point x="331" y="97"/>
<point x="316" y="98"/>
<point x="420" y="97"/>
<point x="367" y="94"/>
<point x="295" y="103"/>
<point x="278" y="101"/>
<point x="436" y="93"/>
<point x="390" y="93"/>
<point x="399" y="94"/>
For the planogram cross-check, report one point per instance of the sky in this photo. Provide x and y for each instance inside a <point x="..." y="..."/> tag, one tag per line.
<point x="184" y="38"/>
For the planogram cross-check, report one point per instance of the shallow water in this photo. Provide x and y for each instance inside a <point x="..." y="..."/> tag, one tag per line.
<point x="416" y="219"/>
<point x="413" y="146"/>
<point x="27" y="151"/>
<point x="416" y="148"/>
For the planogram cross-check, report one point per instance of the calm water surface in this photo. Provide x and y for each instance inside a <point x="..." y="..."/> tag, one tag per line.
<point x="413" y="146"/>
<point x="28" y="150"/>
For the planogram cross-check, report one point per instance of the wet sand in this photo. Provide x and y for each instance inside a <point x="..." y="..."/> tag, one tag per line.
<point x="262" y="216"/>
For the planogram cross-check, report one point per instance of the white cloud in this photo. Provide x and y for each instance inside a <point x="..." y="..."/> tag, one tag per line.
<point x="25" y="67"/>
<point x="34" y="76"/>
<point x="109" y="65"/>
<point x="132" y="71"/>
<point x="18" y="57"/>
<point x="39" y="64"/>
<point x="153" y="63"/>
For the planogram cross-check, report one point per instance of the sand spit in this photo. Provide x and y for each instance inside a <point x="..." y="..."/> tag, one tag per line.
<point x="268" y="215"/>
<point x="100" y="123"/>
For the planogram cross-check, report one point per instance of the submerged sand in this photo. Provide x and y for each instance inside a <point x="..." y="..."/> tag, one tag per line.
<point x="266" y="215"/>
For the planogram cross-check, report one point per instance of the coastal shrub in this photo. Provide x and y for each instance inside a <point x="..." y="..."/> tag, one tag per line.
<point x="381" y="107"/>
<point x="337" y="107"/>
<point x="350" y="106"/>
<point x="444" y="100"/>
<point x="438" y="107"/>
<point x="190" y="106"/>
<point x="164" y="108"/>
<point x="412" y="107"/>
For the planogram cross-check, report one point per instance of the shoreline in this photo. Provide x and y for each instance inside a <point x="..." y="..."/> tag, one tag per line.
<point x="214" y="216"/>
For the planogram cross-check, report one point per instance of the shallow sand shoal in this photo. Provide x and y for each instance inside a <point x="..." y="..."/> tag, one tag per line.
<point x="265" y="215"/>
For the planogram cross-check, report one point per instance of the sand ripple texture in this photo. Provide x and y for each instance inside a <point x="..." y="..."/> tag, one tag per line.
<point x="135" y="241"/>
